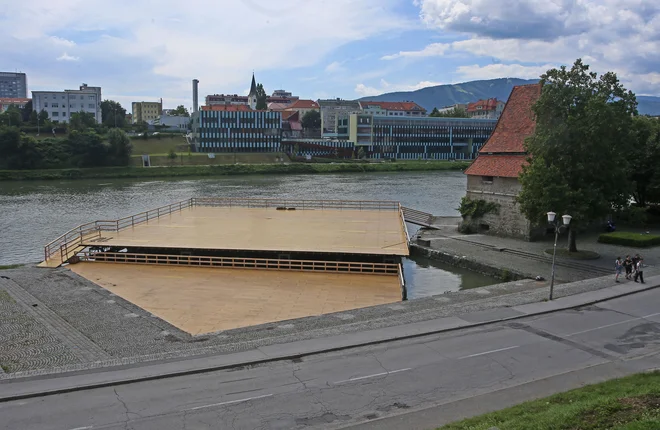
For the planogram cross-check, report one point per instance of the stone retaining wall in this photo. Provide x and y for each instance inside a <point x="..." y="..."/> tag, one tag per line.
<point x="466" y="263"/>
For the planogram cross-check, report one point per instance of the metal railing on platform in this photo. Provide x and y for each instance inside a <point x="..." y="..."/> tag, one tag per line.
<point x="414" y="216"/>
<point x="75" y="237"/>
<point x="296" y="203"/>
<point x="242" y="263"/>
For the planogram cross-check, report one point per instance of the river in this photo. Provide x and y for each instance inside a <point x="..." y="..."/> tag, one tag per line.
<point x="34" y="213"/>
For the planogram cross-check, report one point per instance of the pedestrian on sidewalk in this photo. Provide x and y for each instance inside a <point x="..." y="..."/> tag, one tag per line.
<point x="639" y="272"/>
<point x="618" y="267"/>
<point x="628" y="265"/>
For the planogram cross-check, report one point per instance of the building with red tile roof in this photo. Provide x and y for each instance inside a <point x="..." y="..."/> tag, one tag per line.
<point x="493" y="176"/>
<point x="5" y="102"/>
<point x="392" y="108"/>
<point x="302" y="107"/>
<point x="487" y="108"/>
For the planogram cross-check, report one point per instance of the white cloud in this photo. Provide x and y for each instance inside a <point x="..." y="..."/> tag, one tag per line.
<point x="610" y="35"/>
<point x="67" y="57"/>
<point x="432" y="50"/>
<point x="385" y="87"/>
<point x="219" y="43"/>
<point x="61" y="41"/>
<point x="335" y="67"/>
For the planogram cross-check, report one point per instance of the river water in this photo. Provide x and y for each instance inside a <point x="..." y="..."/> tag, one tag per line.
<point x="34" y="213"/>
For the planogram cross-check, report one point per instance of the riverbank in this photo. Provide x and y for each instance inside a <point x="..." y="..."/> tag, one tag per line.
<point x="227" y="170"/>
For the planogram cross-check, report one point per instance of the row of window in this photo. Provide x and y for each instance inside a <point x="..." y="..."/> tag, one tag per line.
<point x="71" y="106"/>
<point x="72" y="96"/>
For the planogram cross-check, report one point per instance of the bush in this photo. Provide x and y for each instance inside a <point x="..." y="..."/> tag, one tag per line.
<point x="633" y="216"/>
<point x="636" y="240"/>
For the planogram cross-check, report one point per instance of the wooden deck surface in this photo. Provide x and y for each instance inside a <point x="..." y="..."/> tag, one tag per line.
<point x="328" y="231"/>
<point x="204" y="300"/>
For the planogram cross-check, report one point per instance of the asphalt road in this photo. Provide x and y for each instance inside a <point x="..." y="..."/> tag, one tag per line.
<point x="365" y="384"/>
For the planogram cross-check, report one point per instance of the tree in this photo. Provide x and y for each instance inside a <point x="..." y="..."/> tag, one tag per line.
<point x="644" y="158"/>
<point x="578" y="153"/>
<point x="113" y="114"/>
<point x="180" y="111"/>
<point x="455" y="112"/>
<point x="11" y="117"/>
<point x="42" y="118"/>
<point x="311" y="120"/>
<point x="261" y="98"/>
<point x="87" y="149"/>
<point x="26" y="111"/>
<point x="172" y="156"/>
<point x="82" y="121"/>
<point x="120" y="147"/>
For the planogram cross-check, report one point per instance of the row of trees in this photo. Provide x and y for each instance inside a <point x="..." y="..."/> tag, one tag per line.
<point x="79" y="149"/>
<point x="455" y="112"/>
<point x="590" y="155"/>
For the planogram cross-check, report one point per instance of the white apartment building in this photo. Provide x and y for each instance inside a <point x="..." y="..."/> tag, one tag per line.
<point x="61" y="104"/>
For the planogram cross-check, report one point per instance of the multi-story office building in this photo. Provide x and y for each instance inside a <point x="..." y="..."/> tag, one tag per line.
<point x="6" y="102"/>
<point x="13" y="85"/>
<point x="61" y="104"/>
<point x="422" y="137"/>
<point x="236" y="128"/>
<point x="334" y="113"/>
<point x="392" y="108"/>
<point x="146" y="111"/>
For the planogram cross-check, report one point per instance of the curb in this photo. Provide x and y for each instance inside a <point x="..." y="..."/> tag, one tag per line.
<point x="285" y="357"/>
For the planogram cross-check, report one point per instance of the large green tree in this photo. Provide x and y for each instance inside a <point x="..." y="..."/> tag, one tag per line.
<point x="579" y="152"/>
<point x="311" y="120"/>
<point x="26" y="111"/>
<point x="644" y="157"/>
<point x="120" y="147"/>
<point x="262" y="97"/>
<point x="180" y="111"/>
<point x="11" y="117"/>
<point x="113" y="114"/>
<point x="82" y="121"/>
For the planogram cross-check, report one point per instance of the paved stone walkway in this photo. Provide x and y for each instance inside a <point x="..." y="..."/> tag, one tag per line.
<point x="127" y="334"/>
<point x="529" y="259"/>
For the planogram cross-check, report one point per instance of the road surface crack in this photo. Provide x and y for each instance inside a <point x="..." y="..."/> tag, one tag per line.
<point x="127" y="411"/>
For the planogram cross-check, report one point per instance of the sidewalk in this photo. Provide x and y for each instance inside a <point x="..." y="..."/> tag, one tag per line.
<point x="22" y="388"/>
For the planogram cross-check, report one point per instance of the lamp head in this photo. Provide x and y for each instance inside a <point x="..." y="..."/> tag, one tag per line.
<point x="551" y="217"/>
<point x="566" y="219"/>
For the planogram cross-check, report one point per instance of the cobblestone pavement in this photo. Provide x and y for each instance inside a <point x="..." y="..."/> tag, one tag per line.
<point x="85" y="326"/>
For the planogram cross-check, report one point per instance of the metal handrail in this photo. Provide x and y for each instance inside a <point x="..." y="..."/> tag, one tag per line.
<point x="242" y="263"/>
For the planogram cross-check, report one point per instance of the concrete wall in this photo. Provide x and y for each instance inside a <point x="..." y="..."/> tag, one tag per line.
<point x="508" y="221"/>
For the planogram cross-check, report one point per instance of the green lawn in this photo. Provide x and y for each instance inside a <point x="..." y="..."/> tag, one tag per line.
<point x="626" y="238"/>
<point x="163" y="145"/>
<point x="631" y="403"/>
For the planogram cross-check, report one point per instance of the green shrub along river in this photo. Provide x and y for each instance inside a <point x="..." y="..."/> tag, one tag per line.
<point x="230" y="169"/>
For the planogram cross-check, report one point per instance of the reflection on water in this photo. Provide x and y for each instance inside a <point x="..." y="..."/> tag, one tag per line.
<point x="32" y="213"/>
<point x="426" y="277"/>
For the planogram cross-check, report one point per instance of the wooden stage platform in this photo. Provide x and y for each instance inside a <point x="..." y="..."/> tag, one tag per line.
<point x="375" y="232"/>
<point x="204" y="300"/>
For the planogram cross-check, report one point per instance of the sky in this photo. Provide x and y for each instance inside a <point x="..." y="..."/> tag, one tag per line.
<point x="146" y="50"/>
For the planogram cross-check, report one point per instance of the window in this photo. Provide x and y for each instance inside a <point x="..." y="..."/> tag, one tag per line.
<point x="72" y="106"/>
<point x="46" y="103"/>
<point x="56" y="114"/>
<point x="91" y="106"/>
<point x="91" y="97"/>
<point x="63" y="113"/>
<point x="487" y="179"/>
<point x="55" y="105"/>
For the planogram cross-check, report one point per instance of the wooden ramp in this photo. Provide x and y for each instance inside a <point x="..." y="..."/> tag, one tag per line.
<point x="416" y="217"/>
<point x="56" y="259"/>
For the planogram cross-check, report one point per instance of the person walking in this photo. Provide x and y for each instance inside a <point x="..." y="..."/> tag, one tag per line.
<point x="639" y="272"/>
<point x="628" y="265"/>
<point x="618" y="266"/>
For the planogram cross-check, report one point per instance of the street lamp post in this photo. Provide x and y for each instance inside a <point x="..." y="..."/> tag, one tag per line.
<point x="566" y="219"/>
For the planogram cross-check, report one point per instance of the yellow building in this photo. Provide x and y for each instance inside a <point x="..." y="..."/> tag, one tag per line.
<point x="147" y="111"/>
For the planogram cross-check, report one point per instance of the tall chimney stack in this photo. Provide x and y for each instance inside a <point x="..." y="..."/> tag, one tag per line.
<point x="195" y="95"/>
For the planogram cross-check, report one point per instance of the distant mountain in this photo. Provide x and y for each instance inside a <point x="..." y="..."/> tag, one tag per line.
<point x="466" y="92"/>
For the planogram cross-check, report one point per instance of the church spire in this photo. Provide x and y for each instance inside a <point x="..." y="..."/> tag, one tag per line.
<point x="253" y="87"/>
